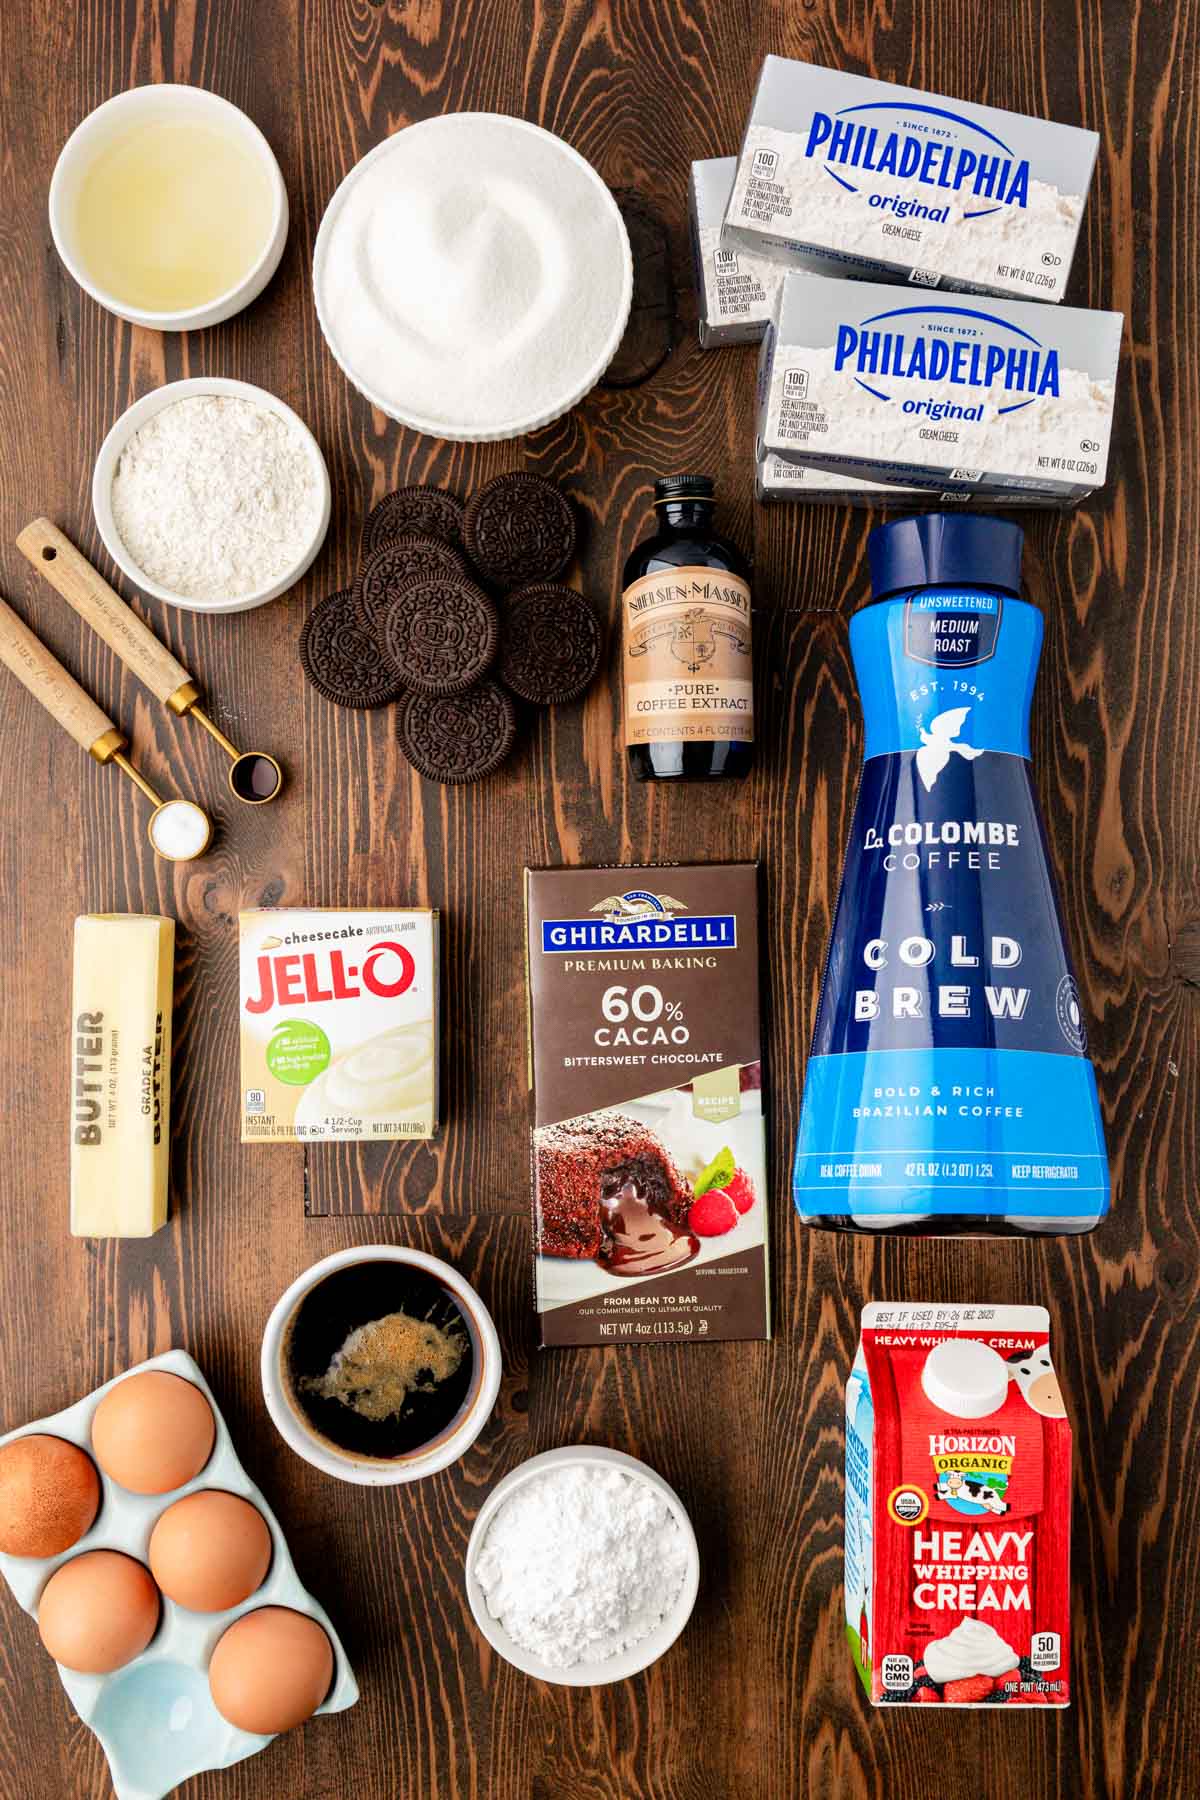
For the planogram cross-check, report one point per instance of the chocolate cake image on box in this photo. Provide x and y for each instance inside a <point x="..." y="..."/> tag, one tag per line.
<point x="607" y="1188"/>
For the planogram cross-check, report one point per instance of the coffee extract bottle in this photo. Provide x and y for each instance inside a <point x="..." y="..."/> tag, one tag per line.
<point x="685" y="626"/>
<point x="949" y="1088"/>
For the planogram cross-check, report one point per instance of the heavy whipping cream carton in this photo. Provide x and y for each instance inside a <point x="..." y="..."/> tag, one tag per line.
<point x="339" y="1024"/>
<point x="878" y="181"/>
<point x="953" y="394"/>
<point x="958" y="1508"/>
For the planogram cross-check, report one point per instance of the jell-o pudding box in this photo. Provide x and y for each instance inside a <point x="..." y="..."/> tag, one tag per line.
<point x="958" y="1508"/>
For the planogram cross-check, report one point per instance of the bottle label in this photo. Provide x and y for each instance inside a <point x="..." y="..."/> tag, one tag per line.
<point x="687" y="663"/>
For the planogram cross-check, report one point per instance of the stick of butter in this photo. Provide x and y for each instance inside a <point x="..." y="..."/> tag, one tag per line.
<point x="121" y="1073"/>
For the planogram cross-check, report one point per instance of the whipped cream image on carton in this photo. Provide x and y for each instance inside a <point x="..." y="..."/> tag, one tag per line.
<point x="953" y="394"/>
<point x="958" y="1508"/>
<point x="339" y="1024"/>
<point x="886" y="182"/>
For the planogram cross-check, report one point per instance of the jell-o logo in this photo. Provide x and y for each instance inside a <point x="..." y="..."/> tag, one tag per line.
<point x="297" y="980"/>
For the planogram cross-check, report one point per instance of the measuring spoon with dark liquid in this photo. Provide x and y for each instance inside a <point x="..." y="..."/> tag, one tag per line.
<point x="638" y="1240"/>
<point x="254" y="777"/>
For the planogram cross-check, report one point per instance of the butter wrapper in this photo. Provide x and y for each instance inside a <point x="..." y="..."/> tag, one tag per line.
<point x="339" y="1024"/>
<point x="121" y="993"/>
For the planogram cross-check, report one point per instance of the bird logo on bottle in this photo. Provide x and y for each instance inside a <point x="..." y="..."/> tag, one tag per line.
<point x="938" y="742"/>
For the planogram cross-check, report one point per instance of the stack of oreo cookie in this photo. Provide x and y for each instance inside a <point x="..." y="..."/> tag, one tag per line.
<point x="456" y="612"/>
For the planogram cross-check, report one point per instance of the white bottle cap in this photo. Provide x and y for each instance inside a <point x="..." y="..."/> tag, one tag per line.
<point x="965" y="1378"/>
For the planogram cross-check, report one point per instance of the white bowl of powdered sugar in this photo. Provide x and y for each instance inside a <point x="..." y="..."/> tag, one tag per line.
<point x="211" y="494"/>
<point x="582" y="1567"/>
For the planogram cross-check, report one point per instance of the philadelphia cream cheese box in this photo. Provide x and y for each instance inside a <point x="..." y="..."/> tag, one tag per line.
<point x="889" y="183"/>
<point x="884" y="384"/>
<point x="339" y="1024"/>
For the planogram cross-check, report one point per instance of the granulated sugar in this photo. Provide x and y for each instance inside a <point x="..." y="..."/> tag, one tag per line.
<point x="472" y="275"/>
<point x="581" y="1563"/>
<point x="216" y="497"/>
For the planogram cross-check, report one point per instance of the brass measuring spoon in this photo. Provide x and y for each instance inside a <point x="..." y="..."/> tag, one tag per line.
<point x="254" y="777"/>
<point x="178" y="830"/>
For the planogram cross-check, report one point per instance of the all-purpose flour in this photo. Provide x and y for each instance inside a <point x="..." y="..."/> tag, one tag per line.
<point x="216" y="497"/>
<point x="582" y="1562"/>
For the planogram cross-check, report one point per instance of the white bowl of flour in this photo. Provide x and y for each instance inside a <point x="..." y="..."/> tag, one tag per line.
<point x="211" y="494"/>
<point x="582" y="1567"/>
<point x="473" y="276"/>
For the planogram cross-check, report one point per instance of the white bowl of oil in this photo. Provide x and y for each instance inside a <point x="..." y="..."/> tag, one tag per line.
<point x="168" y="207"/>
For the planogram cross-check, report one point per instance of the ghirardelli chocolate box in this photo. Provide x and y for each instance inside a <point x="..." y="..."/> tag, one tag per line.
<point x="649" y="1157"/>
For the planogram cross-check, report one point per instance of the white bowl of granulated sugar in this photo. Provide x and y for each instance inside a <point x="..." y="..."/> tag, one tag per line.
<point x="211" y="494"/>
<point x="473" y="277"/>
<point x="582" y="1567"/>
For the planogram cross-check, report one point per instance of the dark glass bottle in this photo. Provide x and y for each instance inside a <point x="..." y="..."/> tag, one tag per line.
<point x="688" y="695"/>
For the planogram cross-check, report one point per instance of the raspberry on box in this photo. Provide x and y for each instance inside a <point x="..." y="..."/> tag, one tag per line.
<point x="969" y="1691"/>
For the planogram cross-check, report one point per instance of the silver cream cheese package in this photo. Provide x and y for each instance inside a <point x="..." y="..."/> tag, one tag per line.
<point x="885" y="182"/>
<point x="777" y="479"/>
<point x="951" y="393"/>
<point x="339" y="1024"/>
<point x="735" y="288"/>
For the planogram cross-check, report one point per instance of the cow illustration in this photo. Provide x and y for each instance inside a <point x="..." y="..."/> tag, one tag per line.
<point x="1034" y="1375"/>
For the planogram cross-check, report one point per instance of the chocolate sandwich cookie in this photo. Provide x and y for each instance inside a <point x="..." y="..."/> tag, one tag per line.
<point x="440" y="634"/>
<point x="341" y="659"/>
<point x="390" y="568"/>
<point x="457" y="737"/>
<point x="519" y="528"/>
<point x="414" y="512"/>
<point x="550" y="643"/>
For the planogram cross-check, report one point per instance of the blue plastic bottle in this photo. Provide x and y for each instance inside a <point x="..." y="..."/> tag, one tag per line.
<point x="949" y="1089"/>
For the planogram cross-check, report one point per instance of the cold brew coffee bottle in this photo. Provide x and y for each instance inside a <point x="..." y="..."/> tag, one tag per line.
<point x="949" y="1089"/>
<point x="685" y="633"/>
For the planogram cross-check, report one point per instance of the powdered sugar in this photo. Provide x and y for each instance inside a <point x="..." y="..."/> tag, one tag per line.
<point x="216" y="498"/>
<point x="581" y="1563"/>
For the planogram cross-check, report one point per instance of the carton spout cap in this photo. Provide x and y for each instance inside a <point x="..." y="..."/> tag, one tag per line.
<point x="945" y="549"/>
<point x="965" y="1378"/>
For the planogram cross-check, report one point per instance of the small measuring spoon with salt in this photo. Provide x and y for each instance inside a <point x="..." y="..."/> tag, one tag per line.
<point x="254" y="777"/>
<point x="178" y="830"/>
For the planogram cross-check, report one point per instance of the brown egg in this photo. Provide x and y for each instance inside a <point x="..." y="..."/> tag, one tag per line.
<point x="210" y="1550"/>
<point x="49" y="1495"/>
<point x="98" y="1612"/>
<point x="152" y="1432"/>
<point x="271" y="1670"/>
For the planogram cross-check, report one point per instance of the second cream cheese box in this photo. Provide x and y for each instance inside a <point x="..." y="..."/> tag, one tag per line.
<point x="339" y="1024"/>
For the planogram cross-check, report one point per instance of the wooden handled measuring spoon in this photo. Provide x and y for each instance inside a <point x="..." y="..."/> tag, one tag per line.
<point x="178" y="829"/>
<point x="254" y="776"/>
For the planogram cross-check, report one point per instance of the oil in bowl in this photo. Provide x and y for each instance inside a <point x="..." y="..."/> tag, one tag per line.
<point x="172" y="214"/>
<point x="168" y="207"/>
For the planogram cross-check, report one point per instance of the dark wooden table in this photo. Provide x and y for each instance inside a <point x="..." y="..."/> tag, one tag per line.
<point x="758" y="1701"/>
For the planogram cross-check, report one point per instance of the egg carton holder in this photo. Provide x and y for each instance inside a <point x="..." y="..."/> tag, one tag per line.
<point x="155" y="1717"/>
